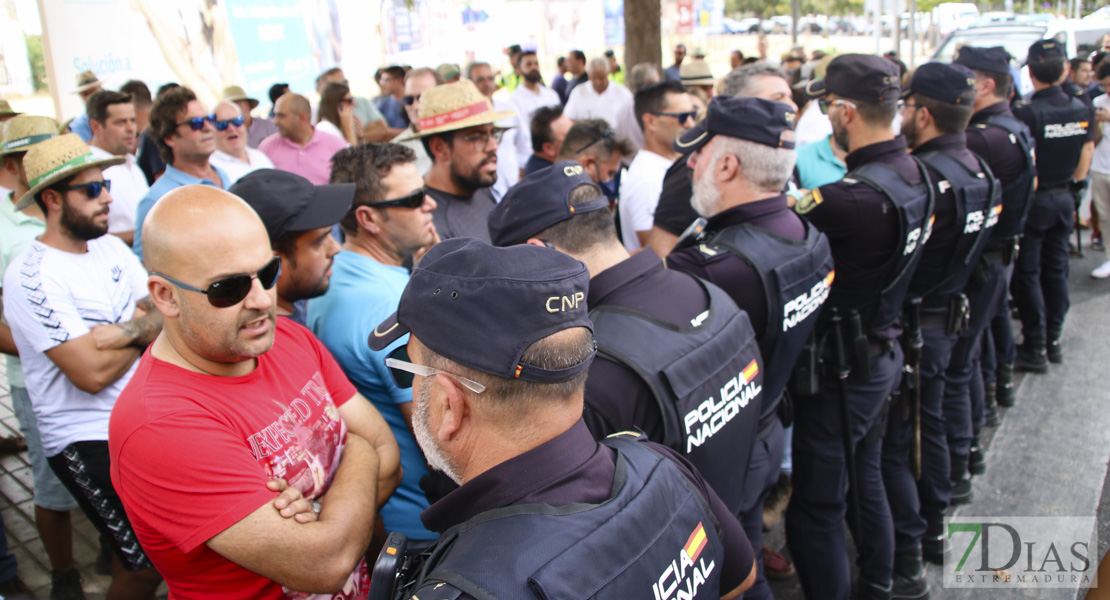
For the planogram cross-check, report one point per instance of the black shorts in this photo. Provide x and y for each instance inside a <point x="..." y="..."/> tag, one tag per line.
<point x="83" y="467"/>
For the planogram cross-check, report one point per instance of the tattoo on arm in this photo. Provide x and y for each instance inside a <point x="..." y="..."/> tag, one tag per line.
<point x="142" y="330"/>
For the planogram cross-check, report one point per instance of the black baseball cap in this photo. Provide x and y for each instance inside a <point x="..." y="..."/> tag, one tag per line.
<point x="754" y="119"/>
<point x="1045" y="50"/>
<point x="539" y="201"/>
<point x="482" y="306"/>
<point x="863" y="77"/>
<point x="288" y="202"/>
<point x="610" y="53"/>
<point x="951" y="84"/>
<point x="990" y="60"/>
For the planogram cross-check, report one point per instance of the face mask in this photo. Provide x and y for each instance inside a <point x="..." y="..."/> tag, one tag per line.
<point x="610" y="188"/>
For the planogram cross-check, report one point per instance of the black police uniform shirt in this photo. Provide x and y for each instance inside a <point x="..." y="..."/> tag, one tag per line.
<point x="462" y="216"/>
<point x="730" y="272"/>
<point x="617" y="399"/>
<point x="1072" y="89"/>
<point x="1057" y="156"/>
<point x="573" y="468"/>
<point x="861" y="223"/>
<point x="936" y="256"/>
<point x="993" y="144"/>
<point x="674" y="213"/>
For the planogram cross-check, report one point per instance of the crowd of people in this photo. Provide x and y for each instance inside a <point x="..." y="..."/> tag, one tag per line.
<point x="540" y="339"/>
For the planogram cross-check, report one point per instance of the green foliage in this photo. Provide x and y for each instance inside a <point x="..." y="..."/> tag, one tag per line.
<point x="38" y="63"/>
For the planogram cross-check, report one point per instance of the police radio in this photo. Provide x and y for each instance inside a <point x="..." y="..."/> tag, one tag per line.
<point x="397" y="566"/>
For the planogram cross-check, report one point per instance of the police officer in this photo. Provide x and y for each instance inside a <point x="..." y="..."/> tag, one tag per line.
<point x="676" y="358"/>
<point x="500" y="347"/>
<point x="1065" y="143"/>
<point x="875" y="219"/>
<point x="1006" y="144"/>
<point x="774" y="264"/>
<point x="938" y="104"/>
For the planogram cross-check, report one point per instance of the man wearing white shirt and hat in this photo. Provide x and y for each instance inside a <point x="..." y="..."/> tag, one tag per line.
<point x="233" y="152"/>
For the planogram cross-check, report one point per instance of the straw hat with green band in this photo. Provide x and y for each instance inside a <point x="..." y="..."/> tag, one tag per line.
<point x="455" y="106"/>
<point x="87" y="80"/>
<point x="56" y="159"/>
<point x="24" y="131"/>
<point x="6" y="109"/>
<point x="234" y="93"/>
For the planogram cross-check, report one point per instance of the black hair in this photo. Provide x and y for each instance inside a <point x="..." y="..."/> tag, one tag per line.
<point x="948" y="118"/>
<point x="542" y="118"/>
<point x="653" y="98"/>
<point x="98" y="103"/>
<point x="1048" y="71"/>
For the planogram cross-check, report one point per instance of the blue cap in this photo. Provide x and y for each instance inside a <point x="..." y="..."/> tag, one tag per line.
<point x="1045" y="50"/>
<point x="990" y="60"/>
<point x="482" y="306"/>
<point x="951" y="84"/>
<point x="539" y="201"/>
<point x="754" y="119"/>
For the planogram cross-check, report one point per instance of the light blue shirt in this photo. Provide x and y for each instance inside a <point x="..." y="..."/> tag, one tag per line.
<point x="80" y="126"/>
<point x="818" y="166"/>
<point x="171" y="179"/>
<point x="362" y="294"/>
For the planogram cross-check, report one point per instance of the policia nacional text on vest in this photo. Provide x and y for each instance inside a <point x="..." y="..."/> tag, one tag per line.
<point x="1017" y="194"/>
<point x="707" y="380"/>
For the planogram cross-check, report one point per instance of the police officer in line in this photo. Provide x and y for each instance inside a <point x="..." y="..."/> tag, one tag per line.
<point x="1007" y="146"/>
<point x="775" y="265"/>
<point x="500" y="347"/>
<point x="1061" y="126"/>
<point x="938" y="105"/>
<point x="676" y="357"/>
<point x="874" y="219"/>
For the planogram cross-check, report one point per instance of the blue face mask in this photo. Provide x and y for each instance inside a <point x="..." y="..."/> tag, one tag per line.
<point x="611" y="188"/>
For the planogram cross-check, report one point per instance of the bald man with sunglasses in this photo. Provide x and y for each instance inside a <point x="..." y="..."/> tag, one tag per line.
<point x="232" y="398"/>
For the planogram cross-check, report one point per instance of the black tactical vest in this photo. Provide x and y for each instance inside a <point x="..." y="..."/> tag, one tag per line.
<point x="1060" y="132"/>
<point x="1017" y="195"/>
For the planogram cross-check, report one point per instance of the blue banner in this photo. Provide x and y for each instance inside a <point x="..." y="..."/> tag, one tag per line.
<point x="273" y="45"/>
<point x="614" y="22"/>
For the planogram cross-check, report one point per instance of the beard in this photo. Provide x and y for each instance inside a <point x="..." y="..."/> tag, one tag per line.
<point x="840" y="134"/>
<point x="475" y="178"/>
<point x="706" y="196"/>
<point x="533" y="76"/>
<point x="909" y="130"/>
<point x="82" y="227"/>
<point x="422" y="430"/>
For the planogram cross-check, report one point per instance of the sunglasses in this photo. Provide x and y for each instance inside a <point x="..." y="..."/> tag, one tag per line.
<point x="608" y="133"/>
<point x="681" y="116"/>
<point x="92" y="188"/>
<point x="348" y="101"/>
<point x="197" y="123"/>
<point x="403" y="372"/>
<point x="409" y="100"/>
<point x="413" y="200"/>
<point x="824" y="104"/>
<point x="230" y="291"/>
<point x="223" y="124"/>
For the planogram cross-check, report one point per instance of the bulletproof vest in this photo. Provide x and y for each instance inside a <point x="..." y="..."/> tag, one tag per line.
<point x="707" y="378"/>
<point x="978" y="206"/>
<point x="796" y="277"/>
<point x="654" y="537"/>
<point x="1017" y="195"/>
<point x="1060" y="132"/>
<point x="879" y="308"/>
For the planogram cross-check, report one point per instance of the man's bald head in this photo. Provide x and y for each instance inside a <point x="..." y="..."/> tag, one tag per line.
<point x="293" y="118"/>
<point x="295" y="104"/>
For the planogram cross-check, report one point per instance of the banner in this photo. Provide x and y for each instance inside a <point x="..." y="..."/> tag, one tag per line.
<point x="685" y="24"/>
<point x="614" y="22"/>
<point x="274" y="45"/>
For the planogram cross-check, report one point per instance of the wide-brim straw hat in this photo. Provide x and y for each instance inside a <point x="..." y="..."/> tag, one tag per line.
<point x="87" y="80"/>
<point x="455" y="106"/>
<point x="696" y="72"/>
<point x="23" y="132"/>
<point x="7" y="110"/>
<point x="56" y="159"/>
<point x="234" y="93"/>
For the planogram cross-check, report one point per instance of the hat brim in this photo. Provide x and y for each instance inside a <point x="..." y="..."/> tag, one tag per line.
<point x="699" y="81"/>
<point x="23" y="148"/>
<point x="254" y="103"/>
<point x="10" y="113"/>
<point x="482" y="119"/>
<point x="329" y="204"/>
<point x="88" y="86"/>
<point x="103" y="163"/>
<point x="387" y="332"/>
<point x="816" y="88"/>
<point x="696" y="137"/>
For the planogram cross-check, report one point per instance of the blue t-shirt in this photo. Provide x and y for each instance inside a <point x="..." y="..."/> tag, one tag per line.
<point x="80" y="126"/>
<point x="363" y="292"/>
<point x="171" y="179"/>
<point x="391" y="112"/>
<point x="818" y="166"/>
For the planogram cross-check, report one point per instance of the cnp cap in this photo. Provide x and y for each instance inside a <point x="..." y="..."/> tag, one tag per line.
<point x="951" y="84"/>
<point x="863" y="77"/>
<point x="991" y="60"/>
<point x="754" y="119"/>
<point x="1044" y="50"/>
<point x="540" y="200"/>
<point x="286" y="202"/>
<point x="482" y="306"/>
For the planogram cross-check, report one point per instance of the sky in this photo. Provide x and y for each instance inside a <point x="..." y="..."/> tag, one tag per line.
<point x="29" y="16"/>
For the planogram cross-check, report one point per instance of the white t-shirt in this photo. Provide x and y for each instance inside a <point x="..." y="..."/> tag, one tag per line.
<point x="812" y="126"/>
<point x="52" y="297"/>
<point x="526" y="102"/>
<point x="128" y="187"/>
<point x="236" y="168"/>
<point x="508" y="168"/>
<point x="586" y="103"/>
<point x="1100" y="162"/>
<point x="327" y="127"/>
<point x="640" y="189"/>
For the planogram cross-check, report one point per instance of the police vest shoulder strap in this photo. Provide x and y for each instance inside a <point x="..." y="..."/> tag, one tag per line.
<point x="950" y="167"/>
<point x="1015" y="127"/>
<point x="723" y="240"/>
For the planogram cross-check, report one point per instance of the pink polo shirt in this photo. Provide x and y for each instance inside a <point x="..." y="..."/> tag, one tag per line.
<point x="313" y="161"/>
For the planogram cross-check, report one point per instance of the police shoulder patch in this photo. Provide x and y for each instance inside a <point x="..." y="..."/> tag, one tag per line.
<point x="809" y="202"/>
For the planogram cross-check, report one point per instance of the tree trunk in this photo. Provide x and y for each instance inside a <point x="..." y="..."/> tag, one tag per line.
<point x="642" y="33"/>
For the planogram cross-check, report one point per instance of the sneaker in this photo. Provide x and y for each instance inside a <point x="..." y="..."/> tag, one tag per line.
<point x="776" y="566"/>
<point x="1096" y="241"/>
<point x="66" y="586"/>
<point x="1102" y="272"/>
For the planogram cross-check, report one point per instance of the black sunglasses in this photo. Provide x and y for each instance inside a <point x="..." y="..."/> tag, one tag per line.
<point x="230" y="291"/>
<point x="608" y="133"/>
<point x="223" y="124"/>
<point x="409" y="100"/>
<point x="681" y="116"/>
<point x="197" y="123"/>
<point x="413" y="200"/>
<point x="92" y="188"/>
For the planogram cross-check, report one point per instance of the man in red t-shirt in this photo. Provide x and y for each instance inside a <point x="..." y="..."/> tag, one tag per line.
<point x="229" y="398"/>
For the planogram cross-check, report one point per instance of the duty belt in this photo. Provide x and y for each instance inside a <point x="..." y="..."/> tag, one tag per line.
<point x="1053" y="190"/>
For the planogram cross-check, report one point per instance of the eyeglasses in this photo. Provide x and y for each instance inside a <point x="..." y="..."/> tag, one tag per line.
<point x="403" y="371"/>
<point x="223" y="124"/>
<point x="348" y="101"/>
<point x="608" y="133"/>
<point x="92" y="188"/>
<point x="413" y="200"/>
<point x="230" y="291"/>
<point x="826" y="104"/>
<point x="409" y="100"/>
<point x="481" y="140"/>
<point x="681" y="116"/>
<point x="913" y="106"/>
<point x="197" y="123"/>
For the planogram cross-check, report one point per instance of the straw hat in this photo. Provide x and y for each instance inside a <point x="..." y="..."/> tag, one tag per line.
<point x="234" y="93"/>
<point x="448" y="70"/>
<point x="6" y="109"/>
<point x="56" y="159"/>
<point x="87" y="80"/>
<point x="455" y="106"/>
<point x="24" y="131"/>
<point x="696" y="72"/>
